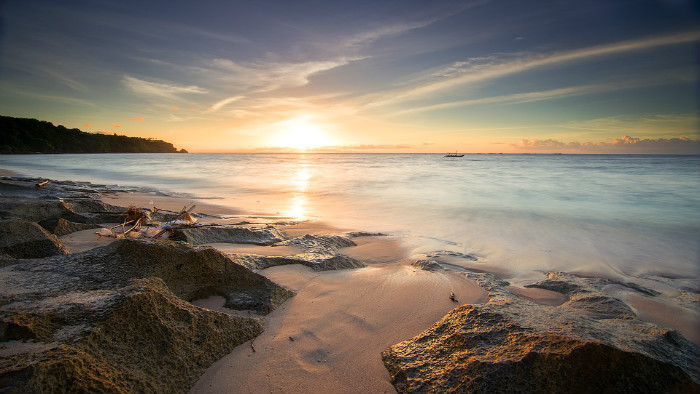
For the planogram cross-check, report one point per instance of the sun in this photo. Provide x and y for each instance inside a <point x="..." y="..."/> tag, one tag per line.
<point x="301" y="133"/>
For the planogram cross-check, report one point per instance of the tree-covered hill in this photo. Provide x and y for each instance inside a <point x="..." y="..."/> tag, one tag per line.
<point x="20" y="135"/>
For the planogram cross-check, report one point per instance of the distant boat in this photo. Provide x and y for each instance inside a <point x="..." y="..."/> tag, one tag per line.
<point x="454" y="155"/>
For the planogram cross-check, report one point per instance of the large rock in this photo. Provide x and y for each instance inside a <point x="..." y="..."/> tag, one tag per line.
<point x="320" y="254"/>
<point x="189" y="272"/>
<point x="139" y="338"/>
<point x="116" y="318"/>
<point x="323" y="244"/>
<point x="513" y="345"/>
<point x="25" y="240"/>
<point x="472" y="350"/>
<point x="230" y="234"/>
<point x="315" y="261"/>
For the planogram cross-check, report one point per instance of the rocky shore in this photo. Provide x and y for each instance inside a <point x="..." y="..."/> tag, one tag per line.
<point x="590" y="343"/>
<point x="120" y="317"/>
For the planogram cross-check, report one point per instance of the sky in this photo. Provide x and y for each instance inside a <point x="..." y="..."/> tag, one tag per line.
<point x="361" y="76"/>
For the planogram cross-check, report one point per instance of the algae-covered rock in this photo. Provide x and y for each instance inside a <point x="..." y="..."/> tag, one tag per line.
<point x="24" y="240"/>
<point x="592" y="343"/>
<point x="139" y="338"/>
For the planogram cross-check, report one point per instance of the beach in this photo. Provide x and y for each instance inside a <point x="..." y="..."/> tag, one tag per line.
<point x="330" y="336"/>
<point x="340" y="321"/>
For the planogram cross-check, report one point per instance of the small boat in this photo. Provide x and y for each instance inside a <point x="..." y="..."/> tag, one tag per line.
<point x="454" y="155"/>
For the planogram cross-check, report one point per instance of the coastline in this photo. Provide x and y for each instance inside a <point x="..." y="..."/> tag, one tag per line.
<point x="340" y="320"/>
<point x="329" y="337"/>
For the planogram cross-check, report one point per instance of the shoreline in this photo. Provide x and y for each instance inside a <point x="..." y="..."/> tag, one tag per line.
<point x="330" y="336"/>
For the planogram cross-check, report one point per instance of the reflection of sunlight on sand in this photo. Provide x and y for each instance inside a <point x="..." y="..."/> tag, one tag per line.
<point x="297" y="209"/>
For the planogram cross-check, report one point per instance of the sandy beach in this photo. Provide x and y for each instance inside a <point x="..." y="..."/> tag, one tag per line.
<point x="340" y="321"/>
<point x="330" y="336"/>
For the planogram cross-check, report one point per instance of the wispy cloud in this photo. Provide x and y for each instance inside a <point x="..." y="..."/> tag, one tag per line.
<point x="267" y="76"/>
<point x="222" y="103"/>
<point x="160" y="89"/>
<point x="484" y="68"/>
<point x="518" y="98"/>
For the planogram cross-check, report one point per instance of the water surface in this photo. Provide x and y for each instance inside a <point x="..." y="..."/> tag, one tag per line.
<point x="615" y="215"/>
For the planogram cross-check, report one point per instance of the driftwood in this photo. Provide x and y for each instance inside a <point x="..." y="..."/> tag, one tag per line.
<point x="44" y="183"/>
<point x="134" y="216"/>
<point x="138" y="217"/>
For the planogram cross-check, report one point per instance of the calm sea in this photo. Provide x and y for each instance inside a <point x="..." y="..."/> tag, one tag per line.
<point x="618" y="215"/>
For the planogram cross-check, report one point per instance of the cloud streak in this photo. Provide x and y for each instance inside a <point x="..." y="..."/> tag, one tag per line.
<point x="266" y="76"/>
<point x="485" y="68"/>
<point x="519" y="98"/>
<point x="168" y="90"/>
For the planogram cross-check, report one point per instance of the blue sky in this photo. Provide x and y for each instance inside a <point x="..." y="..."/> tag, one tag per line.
<point x="374" y="76"/>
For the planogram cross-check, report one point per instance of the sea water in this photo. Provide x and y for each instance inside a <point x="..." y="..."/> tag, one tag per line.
<point x="611" y="215"/>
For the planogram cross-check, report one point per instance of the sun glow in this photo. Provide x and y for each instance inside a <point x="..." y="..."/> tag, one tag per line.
<point x="301" y="133"/>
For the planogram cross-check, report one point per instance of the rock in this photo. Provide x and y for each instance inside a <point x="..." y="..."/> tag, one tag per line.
<point x="464" y="256"/>
<point x="355" y="234"/>
<point x="23" y="240"/>
<point x="315" y="261"/>
<point x="189" y="272"/>
<point x="428" y="265"/>
<point x="593" y="343"/>
<point x="139" y="338"/>
<point x="116" y="319"/>
<point x="231" y="234"/>
<point x="34" y="210"/>
<point x="584" y="294"/>
<point x="320" y="254"/>
<point x="570" y="284"/>
<point x="475" y="350"/>
<point x="323" y="244"/>
<point x="61" y="227"/>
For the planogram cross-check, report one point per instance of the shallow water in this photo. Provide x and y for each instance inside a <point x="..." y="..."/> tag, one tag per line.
<point x="611" y="215"/>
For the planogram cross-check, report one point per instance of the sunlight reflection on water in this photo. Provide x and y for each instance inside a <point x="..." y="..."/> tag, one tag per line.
<point x="599" y="212"/>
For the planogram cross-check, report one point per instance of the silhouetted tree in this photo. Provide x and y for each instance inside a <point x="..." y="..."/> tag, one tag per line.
<point x="21" y="135"/>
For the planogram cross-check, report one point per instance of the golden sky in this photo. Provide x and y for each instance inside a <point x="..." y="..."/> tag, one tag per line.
<point x="414" y="76"/>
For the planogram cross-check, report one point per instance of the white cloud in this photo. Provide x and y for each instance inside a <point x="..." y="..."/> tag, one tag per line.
<point x="484" y="68"/>
<point x="266" y="76"/>
<point x="220" y="104"/>
<point x="160" y="89"/>
<point x="551" y="94"/>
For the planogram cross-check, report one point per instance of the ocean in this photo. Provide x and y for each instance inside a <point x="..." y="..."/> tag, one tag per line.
<point x="621" y="216"/>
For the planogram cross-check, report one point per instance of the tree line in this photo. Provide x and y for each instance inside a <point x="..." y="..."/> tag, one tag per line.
<point x="22" y="135"/>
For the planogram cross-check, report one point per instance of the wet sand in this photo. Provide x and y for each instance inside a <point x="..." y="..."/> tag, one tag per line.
<point x="329" y="337"/>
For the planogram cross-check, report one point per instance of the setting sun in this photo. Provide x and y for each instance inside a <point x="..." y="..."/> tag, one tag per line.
<point x="301" y="133"/>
